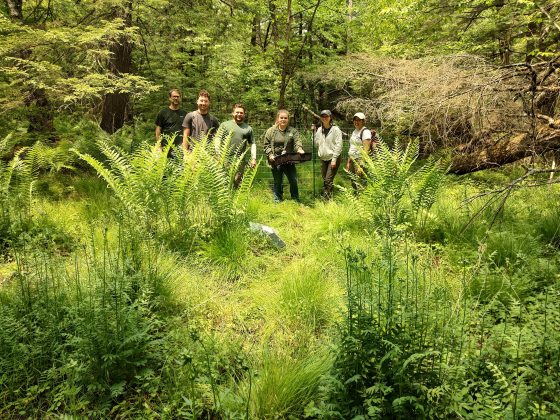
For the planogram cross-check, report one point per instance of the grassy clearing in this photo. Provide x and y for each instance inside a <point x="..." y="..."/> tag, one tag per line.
<point x="439" y="315"/>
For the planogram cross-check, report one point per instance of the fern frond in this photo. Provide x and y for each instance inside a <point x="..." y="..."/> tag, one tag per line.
<point x="113" y="181"/>
<point x="117" y="159"/>
<point x="242" y="194"/>
<point x="428" y="182"/>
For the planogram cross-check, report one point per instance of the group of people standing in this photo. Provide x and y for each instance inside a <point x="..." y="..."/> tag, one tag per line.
<point x="185" y="128"/>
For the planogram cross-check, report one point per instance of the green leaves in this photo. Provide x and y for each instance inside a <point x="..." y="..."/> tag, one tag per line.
<point x="395" y="193"/>
<point x="68" y="62"/>
<point x="175" y="199"/>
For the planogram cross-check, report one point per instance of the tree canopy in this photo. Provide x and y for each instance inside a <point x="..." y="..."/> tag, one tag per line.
<point x="115" y="61"/>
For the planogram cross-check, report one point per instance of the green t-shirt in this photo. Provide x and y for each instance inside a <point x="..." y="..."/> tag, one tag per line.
<point x="170" y="121"/>
<point x="277" y="141"/>
<point x="241" y="135"/>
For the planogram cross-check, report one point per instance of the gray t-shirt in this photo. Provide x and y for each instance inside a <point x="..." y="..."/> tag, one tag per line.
<point x="201" y="125"/>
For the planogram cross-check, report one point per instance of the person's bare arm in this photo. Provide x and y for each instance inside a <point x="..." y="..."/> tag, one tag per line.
<point x="367" y="145"/>
<point x="253" y="162"/>
<point x="158" y="135"/>
<point x="186" y="134"/>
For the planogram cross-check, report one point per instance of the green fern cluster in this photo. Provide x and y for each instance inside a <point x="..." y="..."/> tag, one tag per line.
<point x="178" y="199"/>
<point x="52" y="159"/>
<point x="394" y="192"/>
<point x="16" y="194"/>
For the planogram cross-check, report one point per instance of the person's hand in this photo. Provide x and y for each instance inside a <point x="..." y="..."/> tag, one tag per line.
<point x="300" y="151"/>
<point x="347" y="167"/>
<point x="333" y="165"/>
<point x="253" y="163"/>
<point x="271" y="158"/>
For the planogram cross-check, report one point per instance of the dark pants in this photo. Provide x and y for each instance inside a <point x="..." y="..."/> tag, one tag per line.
<point x="328" y="173"/>
<point x="278" y="174"/>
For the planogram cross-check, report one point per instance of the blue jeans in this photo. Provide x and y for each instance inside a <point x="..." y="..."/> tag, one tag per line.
<point x="278" y="174"/>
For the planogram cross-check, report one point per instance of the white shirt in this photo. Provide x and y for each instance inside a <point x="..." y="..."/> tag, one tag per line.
<point x="356" y="144"/>
<point x="330" y="146"/>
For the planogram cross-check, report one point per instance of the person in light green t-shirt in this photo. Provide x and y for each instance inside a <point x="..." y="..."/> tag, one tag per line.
<point x="241" y="136"/>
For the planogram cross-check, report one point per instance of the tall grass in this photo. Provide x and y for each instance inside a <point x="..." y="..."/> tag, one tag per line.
<point x="283" y="387"/>
<point x="77" y="335"/>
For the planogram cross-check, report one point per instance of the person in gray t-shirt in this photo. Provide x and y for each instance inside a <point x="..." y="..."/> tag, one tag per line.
<point x="200" y="122"/>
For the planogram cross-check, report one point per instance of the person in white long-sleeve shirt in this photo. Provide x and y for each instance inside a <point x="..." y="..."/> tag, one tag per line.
<point x="328" y="139"/>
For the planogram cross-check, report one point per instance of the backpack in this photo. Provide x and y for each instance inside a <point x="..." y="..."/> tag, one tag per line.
<point x="374" y="140"/>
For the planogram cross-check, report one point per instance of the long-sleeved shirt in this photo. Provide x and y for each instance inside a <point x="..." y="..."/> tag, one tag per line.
<point x="330" y="146"/>
<point x="276" y="141"/>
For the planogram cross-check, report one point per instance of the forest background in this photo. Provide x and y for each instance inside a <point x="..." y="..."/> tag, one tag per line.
<point x="131" y="285"/>
<point x="470" y="76"/>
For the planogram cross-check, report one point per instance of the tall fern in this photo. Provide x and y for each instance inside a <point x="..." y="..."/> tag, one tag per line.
<point x="394" y="190"/>
<point x="16" y="193"/>
<point x="178" y="199"/>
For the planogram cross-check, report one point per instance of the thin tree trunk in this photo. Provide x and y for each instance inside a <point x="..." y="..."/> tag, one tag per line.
<point x="286" y="65"/>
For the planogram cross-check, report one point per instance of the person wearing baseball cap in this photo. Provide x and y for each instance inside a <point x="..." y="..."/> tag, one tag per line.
<point x="361" y="141"/>
<point x="328" y="139"/>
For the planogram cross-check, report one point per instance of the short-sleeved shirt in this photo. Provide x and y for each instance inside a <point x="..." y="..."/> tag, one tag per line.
<point x="241" y="135"/>
<point x="170" y="121"/>
<point x="201" y="125"/>
<point x="356" y="144"/>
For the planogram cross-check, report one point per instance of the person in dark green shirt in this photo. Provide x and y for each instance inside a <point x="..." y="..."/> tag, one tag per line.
<point x="169" y="120"/>
<point x="240" y="136"/>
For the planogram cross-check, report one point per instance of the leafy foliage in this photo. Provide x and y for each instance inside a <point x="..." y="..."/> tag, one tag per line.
<point x="16" y="193"/>
<point x="177" y="200"/>
<point x="393" y="191"/>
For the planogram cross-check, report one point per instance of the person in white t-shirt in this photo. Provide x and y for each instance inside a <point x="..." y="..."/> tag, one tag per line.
<point x="361" y="139"/>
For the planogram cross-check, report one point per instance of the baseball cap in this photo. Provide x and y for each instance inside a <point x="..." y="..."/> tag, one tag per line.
<point x="359" y="115"/>
<point x="326" y="112"/>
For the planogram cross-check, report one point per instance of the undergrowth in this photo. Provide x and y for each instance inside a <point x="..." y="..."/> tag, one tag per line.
<point x="409" y="300"/>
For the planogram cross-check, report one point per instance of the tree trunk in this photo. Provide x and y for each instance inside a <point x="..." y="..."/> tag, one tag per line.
<point x="286" y="62"/>
<point x="15" y="7"/>
<point x="507" y="151"/>
<point x="115" y="105"/>
<point x="40" y="113"/>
